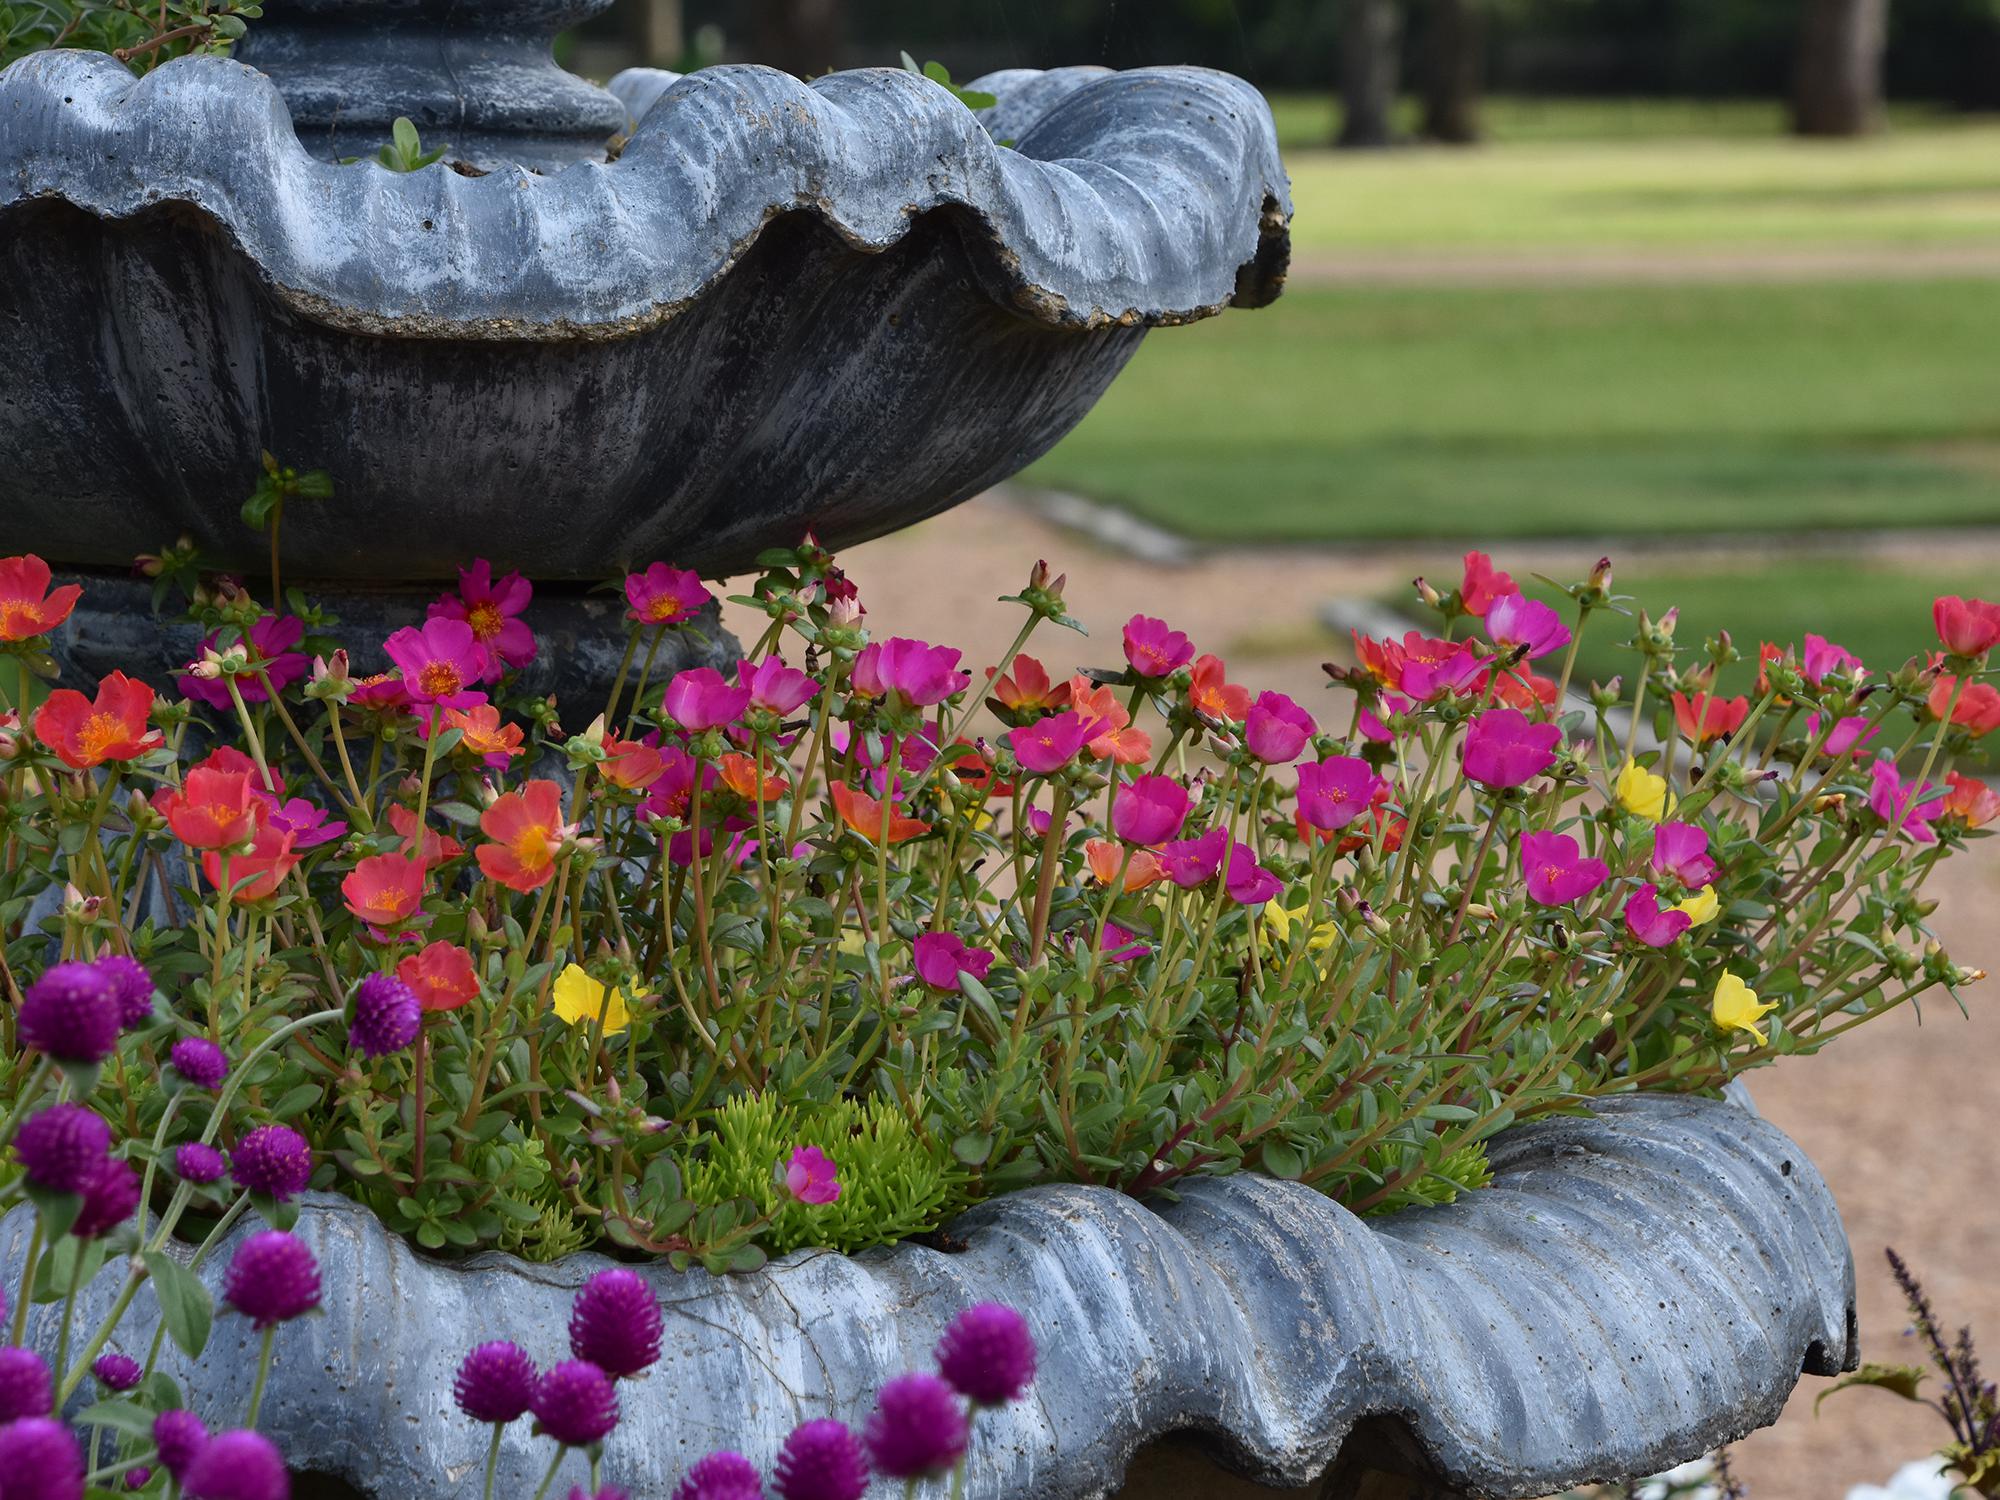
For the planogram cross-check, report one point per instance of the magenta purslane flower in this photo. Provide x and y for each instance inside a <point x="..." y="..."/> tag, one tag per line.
<point x="615" y="1323"/>
<point x="199" y="1061"/>
<point x="811" y="1176"/>
<point x="1503" y="749"/>
<point x="272" y="1279"/>
<point x="1150" y="810"/>
<point x="1558" y="873"/>
<point x="199" y="1163"/>
<point x="1335" y="791"/>
<point x="72" y="1014"/>
<point x="60" y="1148"/>
<point x="917" y="1429"/>
<point x="721" y="1476"/>
<point x="237" y="1466"/>
<point x="822" y="1460"/>
<point x="496" y="1382"/>
<point x="916" y="672"/>
<point x="1277" y="729"/>
<point x="273" y="1160"/>
<point x="1154" y="649"/>
<point x="576" y="1403"/>
<point x="988" y="1354"/>
<point x="941" y="957"/>
<point x="26" y="1387"/>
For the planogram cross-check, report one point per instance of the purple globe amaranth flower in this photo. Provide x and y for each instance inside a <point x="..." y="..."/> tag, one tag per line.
<point x="272" y="1278"/>
<point x="496" y="1382"/>
<point x="199" y="1061"/>
<point x="119" y="1372"/>
<point x="238" y="1466"/>
<point x="179" y="1437"/>
<point x="615" y="1323"/>
<point x="60" y="1148"/>
<point x="199" y="1163"/>
<point x="131" y="987"/>
<point x="273" y="1160"/>
<point x="108" y="1199"/>
<point x="721" y="1476"/>
<point x="387" y="1016"/>
<point x="988" y="1354"/>
<point x="576" y="1403"/>
<point x="917" y="1428"/>
<point x="139" y="1478"/>
<point x="26" y="1387"/>
<point x="41" y="1460"/>
<point x="822" y="1460"/>
<point x="72" y="1014"/>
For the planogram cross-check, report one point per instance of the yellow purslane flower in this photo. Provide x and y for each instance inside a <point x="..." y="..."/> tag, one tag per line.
<point x="852" y="942"/>
<point x="579" y="998"/>
<point x="1643" y="793"/>
<point x="1737" y="1008"/>
<point x="1281" y="920"/>
<point x="1702" y="907"/>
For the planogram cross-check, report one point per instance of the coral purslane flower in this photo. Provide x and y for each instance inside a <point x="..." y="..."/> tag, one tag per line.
<point x="822" y="1460"/>
<point x="199" y="1061"/>
<point x="1381" y="660"/>
<point x="1027" y="690"/>
<point x="1643" y="793"/>
<point x="1516" y="622"/>
<point x="1194" y="861"/>
<point x="576" y="1403"/>
<point x="874" y="821"/>
<point x="527" y="831"/>
<point x="917" y="1429"/>
<point x="1557" y="871"/>
<point x="1482" y="583"/>
<point x="270" y="646"/>
<point x="480" y="731"/>
<point x="1277" y="729"/>
<point x="495" y="1382"/>
<point x="239" y="1465"/>
<point x="1907" y="808"/>
<point x="492" y="610"/>
<point x="1249" y="883"/>
<point x="272" y="1279"/>
<point x="442" y="976"/>
<point x="441" y="663"/>
<point x="1106" y="859"/>
<point x="61" y="1147"/>
<point x="1681" y="850"/>
<point x="1970" y="801"/>
<point x="633" y="765"/>
<point x="1978" y="708"/>
<point x="811" y="1176"/>
<point x="775" y="687"/>
<point x="71" y="1014"/>
<point x="1150" y="810"/>
<point x="28" y="606"/>
<point x="1736" y="1007"/>
<point x="941" y="957"/>
<point x="1109" y="732"/>
<point x="386" y="890"/>
<point x="987" y="1355"/>
<point x="212" y="809"/>
<point x="1335" y="791"/>
<point x="1705" y="717"/>
<point x="664" y="595"/>
<point x="27" y="1388"/>
<point x="721" y="1476"/>
<point x="1649" y="923"/>
<point x="701" y="698"/>
<point x="431" y="849"/>
<point x="254" y="873"/>
<point x="616" y="1323"/>
<point x="916" y="672"/>
<point x="582" y="1001"/>
<point x="1154" y="649"/>
<point x="1968" y="627"/>
<point x="1047" y="745"/>
<point x="1215" y="698"/>
<point x="1503" y="749"/>
<point x="272" y="1160"/>
<point x="386" y="1017"/>
<point x="84" y="733"/>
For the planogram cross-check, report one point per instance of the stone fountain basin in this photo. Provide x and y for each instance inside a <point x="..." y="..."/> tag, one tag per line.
<point x="841" y="306"/>
<point x="1635" y="1288"/>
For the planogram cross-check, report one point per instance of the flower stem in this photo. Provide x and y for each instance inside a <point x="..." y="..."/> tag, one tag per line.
<point x="493" y="1459"/>
<point x="550" y="1478"/>
<point x="263" y="1375"/>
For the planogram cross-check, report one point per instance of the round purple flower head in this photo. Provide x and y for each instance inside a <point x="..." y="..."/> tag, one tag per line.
<point x="71" y="1014"/>
<point x="119" y="1372"/>
<point x="576" y="1404"/>
<point x="721" y="1476"/>
<point x="273" y="1160"/>
<point x="496" y="1382"/>
<point x="199" y="1061"/>
<point x="139" y="1478"/>
<point x="272" y="1278"/>
<point x="108" y="1199"/>
<point x="917" y="1428"/>
<point x="62" y="1147"/>
<point x="238" y="1466"/>
<point x="41" y="1460"/>
<point x="386" y="1016"/>
<point x="199" y="1163"/>
<point x="179" y="1437"/>
<point x="26" y="1387"/>
<point x="822" y="1460"/>
<point x="131" y="987"/>
<point x="615" y="1323"/>
<point x="988" y="1354"/>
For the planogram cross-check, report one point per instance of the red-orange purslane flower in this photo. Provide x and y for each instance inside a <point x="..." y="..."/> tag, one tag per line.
<point x="1109" y="724"/>
<point x="385" y="890"/>
<point x="441" y="977"/>
<point x="438" y="848"/>
<point x="1706" y="717"/>
<point x="254" y="874"/>
<point x="1028" y="690"/>
<point x="527" y="831"/>
<point x="740" y="774"/>
<point x="1978" y="705"/>
<point x="84" y="733"/>
<point x="867" y="817"/>
<point x="1968" y="627"/>
<point x="1970" y="801"/>
<point x="1215" y="697"/>
<point x="212" y="809"/>
<point x="1105" y="858"/>
<point x="481" y="732"/>
<point x="631" y="764"/>
<point x="28" y="606"/>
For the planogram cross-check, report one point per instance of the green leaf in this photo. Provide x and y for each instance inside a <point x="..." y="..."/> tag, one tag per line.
<point x="58" y="1210"/>
<point x="974" y="1148"/>
<point x="408" y="142"/>
<point x="185" y="1305"/>
<point x="119" y="1416"/>
<point x="1902" y="1380"/>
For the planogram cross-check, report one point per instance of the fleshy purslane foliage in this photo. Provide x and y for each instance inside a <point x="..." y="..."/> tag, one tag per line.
<point x="1122" y="923"/>
<point x="140" y="34"/>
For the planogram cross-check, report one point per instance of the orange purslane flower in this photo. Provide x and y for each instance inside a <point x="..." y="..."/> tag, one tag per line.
<point x="28" y="606"/>
<point x="527" y="832"/>
<point x="740" y="774"/>
<point x="441" y="977"/>
<point x="212" y="809"/>
<point x="1105" y="857"/>
<point x="867" y="817"/>
<point x="1978" y="705"/>
<point x="482" y="733"/>
<point x="438" y="848"/>
<point x="84" y="734"/>
<point x="1214" y="697"/>
<point x="1028" y="689"/>
<point x="631" y="764"/>
<point x="1706" y="717"/>
<point x="1112" y="736"/>
<point x="254" y="874"/>
<point x="1970" y="801"/>
<point x="1382" y="660"/>
<point x="385" y="890"/>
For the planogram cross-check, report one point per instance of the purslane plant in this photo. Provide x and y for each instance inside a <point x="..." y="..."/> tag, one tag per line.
<point x="822" y="950"/>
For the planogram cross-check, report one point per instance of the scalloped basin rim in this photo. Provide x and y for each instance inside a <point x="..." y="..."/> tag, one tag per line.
<point x="1144" y="198"/>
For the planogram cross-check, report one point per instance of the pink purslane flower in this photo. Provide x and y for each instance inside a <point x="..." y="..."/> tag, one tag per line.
<point x="1335" y="791"/>
<point x="1120" y="946"/>
<point x="1968" y="627"/>
<point x="775" y="687"/>
<point x="1150" y="810"/>
<point x="239" y="1465"/>
<point x="1432" y="668"/>
<point x="616" y="1323"/>
<point x="917" y="1429"/>
<point x="1155" y="649"/>
<point x="1681" y="850"/>
<point x="988" y="1355"/>
<point x="308" y="824"/>
<point x="1047" y="745"/>
<point x="493" y="611"/>
<point x="1557" y="874"/>
<point x="1649" y="922"/>
<point x="665" y="596"/>
<point x="496" y="1382"/>
<point x="811" y="1176"/>
<point x="1823" y="657"/>
<point x="1504" y="749"/>
<point x="1907" y="808"/>
<point x="941" y="958"/>
<point x="1249" y="883"/>
<point x="441" y="663"/>
<point x="1277" y="729"/>
<point x="822" y="1460"/>
<point x="721" y="1476"/>
<point x="272" y="1278"/>
<point x="1851" y="733"/>
<point x="701" y="698"/>
<point x="916" y="672"/>
<point x="1514" y="621"/>
<point x="576" y="1403"/>
<point x="270" y="642"/>
<point x="1192" y="862"/>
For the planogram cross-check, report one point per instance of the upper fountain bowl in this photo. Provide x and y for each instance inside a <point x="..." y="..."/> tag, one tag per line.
<point x="843" y="306"/>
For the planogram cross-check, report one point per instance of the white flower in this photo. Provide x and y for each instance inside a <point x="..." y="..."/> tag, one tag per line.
<point x="1683" y="1483"/>
<point x="1925" y="1479"/>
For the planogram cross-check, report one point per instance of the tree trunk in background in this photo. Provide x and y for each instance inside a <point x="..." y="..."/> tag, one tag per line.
<point x="804" y="37"/>
<point x="1453" y="62"/>
<point x="1369" y="35"/>
<point x="1837" y="79"/>
<point x="665" y="37"/>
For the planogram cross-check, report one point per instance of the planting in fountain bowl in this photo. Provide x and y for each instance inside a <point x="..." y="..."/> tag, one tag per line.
<point x="821" y="952"/>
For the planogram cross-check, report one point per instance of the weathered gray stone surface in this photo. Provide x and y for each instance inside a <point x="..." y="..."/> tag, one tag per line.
<point x="1633" y="1289"/>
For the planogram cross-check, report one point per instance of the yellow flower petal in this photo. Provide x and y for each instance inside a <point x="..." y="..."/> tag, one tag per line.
<point x="1324" y="936"/>
<point x="1281" y="920"/>
<point x="578" y="998"/>
<point x="1737" y="1008"/>
<point x="852" y="943"/>
<point x="1702" y="907"/>
<point x="1643" y="793"/>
